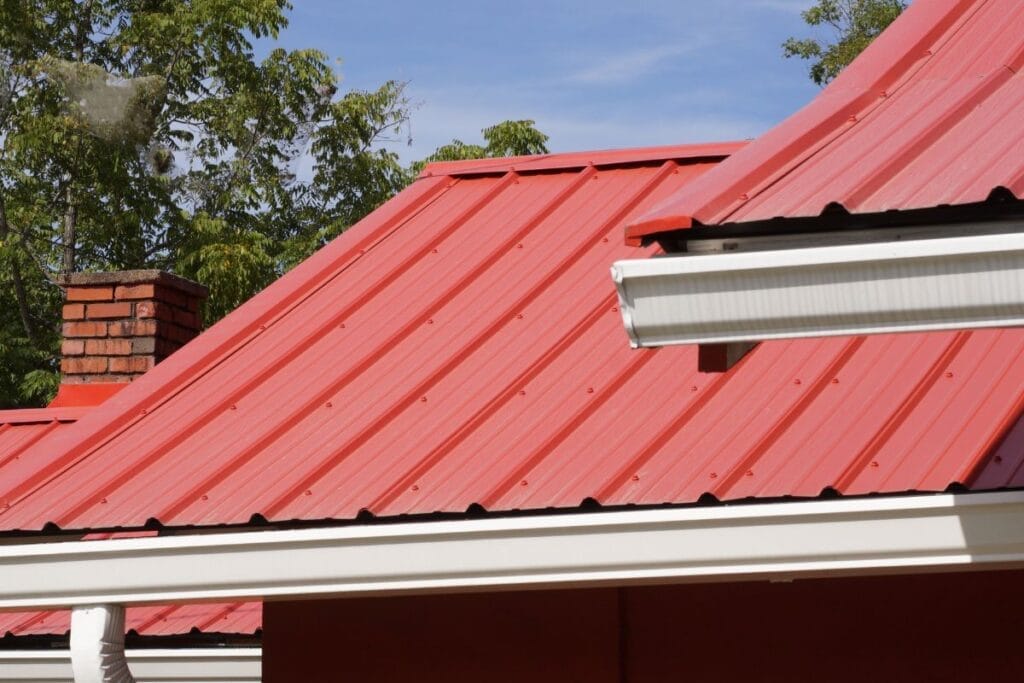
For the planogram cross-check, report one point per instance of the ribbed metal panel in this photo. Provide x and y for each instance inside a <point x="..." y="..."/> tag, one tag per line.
<point x="463" y="347"/>
<point x="929" y="115"/>
<point x="242" y="618"/>
<point x="21" y="429"/>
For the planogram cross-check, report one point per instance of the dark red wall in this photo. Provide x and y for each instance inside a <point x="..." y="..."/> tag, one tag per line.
<point x="943" y="627"/>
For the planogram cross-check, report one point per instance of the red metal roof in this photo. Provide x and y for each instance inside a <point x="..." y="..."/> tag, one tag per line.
<point x="38" y="428"/>
<point x="928" y="115"/>
<point x="237" y="618"/>
<point x="461" y="347"/>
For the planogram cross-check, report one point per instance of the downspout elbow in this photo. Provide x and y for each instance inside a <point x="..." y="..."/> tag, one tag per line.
<point x="97" y="645"/>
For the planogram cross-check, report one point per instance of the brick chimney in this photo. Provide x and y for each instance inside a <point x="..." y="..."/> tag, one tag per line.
<point x="119" y="325"/>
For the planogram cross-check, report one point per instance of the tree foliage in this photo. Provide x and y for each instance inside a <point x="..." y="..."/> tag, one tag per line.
<point x="147" y="134"/>
<point x="851" y="25"/>
<point x="505" y="139"/>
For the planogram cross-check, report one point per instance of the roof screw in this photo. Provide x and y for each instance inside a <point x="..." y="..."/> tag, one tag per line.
<point x="797" y="382"/>
<point x="103" y="501"/>
<point x="519" y="316"/>
<point x="744" y="197"/>
<point x="263" y="327"/>
<point x="615" y="309"/>
<point x="713" y="475"/>
<point x="604" y="239"/>
<point x="234" y="407"/>
<point x="423" y="399"/>
<point x="205" y="497"/>
<point x="693" y="388"/>
<point x="590" y="390"/>
<point x="522" y="392"/>
<point x="636" y="477"/>
<point x="949" y="374"/>
<point x="874" y="463"/>
<point x="884" y="94"/>
<point x="519" y="246"/>
<point x="415" y="487"/>
<point x="329" y="405"/>
<point x="750" y="473"/>
<point x="853" y="118"/>
<point x="342" y="325"/>
<point x="524" y="483"/>
<point x="307" y="492"/>
<point x="835" y="380"/>
<point x="144" y="411"/>
<point x="433" y="251"/>
<point x="430" y="321"/>
<point x="998" y="458"/>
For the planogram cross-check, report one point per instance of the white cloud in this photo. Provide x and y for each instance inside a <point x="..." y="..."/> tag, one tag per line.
<point x="627" y="66"/>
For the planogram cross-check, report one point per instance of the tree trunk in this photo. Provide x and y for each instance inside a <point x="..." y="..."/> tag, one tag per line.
<point x="70" y="225"/>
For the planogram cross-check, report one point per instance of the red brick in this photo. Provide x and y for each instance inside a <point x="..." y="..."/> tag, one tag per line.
<point x="72" y="347"/>
<point x="176" y="333"/>
<point x="83" y="366"/>
<point x="124" y="292"/>
<point x="108" y="347"/>
<point x="90" y="294"/>
<point x="186" y="319"/>
<point x="173" y="297"/>
<point x="132" y="364"/>
<point x="132" y="328"/>
<point x="165" y="347"/>
<point x="97" y="379"/>
<point x="74" y="311"/>
<point x="154" y="309"/>
<point x="84" y="329"/>
<point x="101" y="311"/>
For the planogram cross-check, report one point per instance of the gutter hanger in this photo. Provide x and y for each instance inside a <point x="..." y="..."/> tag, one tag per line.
<point x="97" y="645"/>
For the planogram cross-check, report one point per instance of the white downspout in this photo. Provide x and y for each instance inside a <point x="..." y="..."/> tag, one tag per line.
<point x="97" y="645"/>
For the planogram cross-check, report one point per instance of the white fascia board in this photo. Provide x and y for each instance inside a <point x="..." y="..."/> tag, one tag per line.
<point x="185" y="665"/>
<point x="769" y="540"/>
<point x="916" y="285"/>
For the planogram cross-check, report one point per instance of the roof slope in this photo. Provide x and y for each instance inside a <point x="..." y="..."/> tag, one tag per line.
<point x="461" y="347"/>
<point x="38" y="428"/>
<point x="928" y="115"/>
<point x="237" y="618"/>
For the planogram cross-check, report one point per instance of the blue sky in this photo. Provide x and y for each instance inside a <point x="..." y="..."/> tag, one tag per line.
<point x="593" y="74"/>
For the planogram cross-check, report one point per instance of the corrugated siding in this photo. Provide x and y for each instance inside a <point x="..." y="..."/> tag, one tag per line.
<point x="462" y="348"/>
<point x="929" y="115"/>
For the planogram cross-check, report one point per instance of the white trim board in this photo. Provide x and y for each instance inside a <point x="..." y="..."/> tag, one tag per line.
<point x="850" y="289"/>
<point x="186" y="665"/>
<point x="766" y="541"/>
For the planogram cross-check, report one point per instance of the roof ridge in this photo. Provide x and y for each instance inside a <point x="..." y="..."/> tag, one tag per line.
<point x="576" y="160"/>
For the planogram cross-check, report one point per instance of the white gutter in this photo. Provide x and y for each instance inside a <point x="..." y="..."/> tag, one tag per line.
<point x="916" y="285"/>
<point x="97" y="645"/>
<point x="763" y="541"/>
<point x="186" y="665"/>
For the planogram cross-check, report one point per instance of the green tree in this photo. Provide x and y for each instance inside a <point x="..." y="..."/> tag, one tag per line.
<point x="851" y="25"/>
<point x="147" y="134"/>
<point x="505" y="139"/>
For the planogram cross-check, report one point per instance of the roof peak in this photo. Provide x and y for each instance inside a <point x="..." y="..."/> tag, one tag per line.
<point x="576" y="160"/>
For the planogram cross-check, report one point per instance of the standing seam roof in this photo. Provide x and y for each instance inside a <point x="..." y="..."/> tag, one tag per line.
<point x="462" y="347"/>
<point x="927" y="116"/>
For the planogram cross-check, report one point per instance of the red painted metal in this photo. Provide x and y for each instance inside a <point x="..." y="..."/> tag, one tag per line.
<point x="462" y="347"/>
<point x="38" y="428"/>
<point x="238" y="618"/>
<point x="929" y="115"/>
<point x="85" y="395"/>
